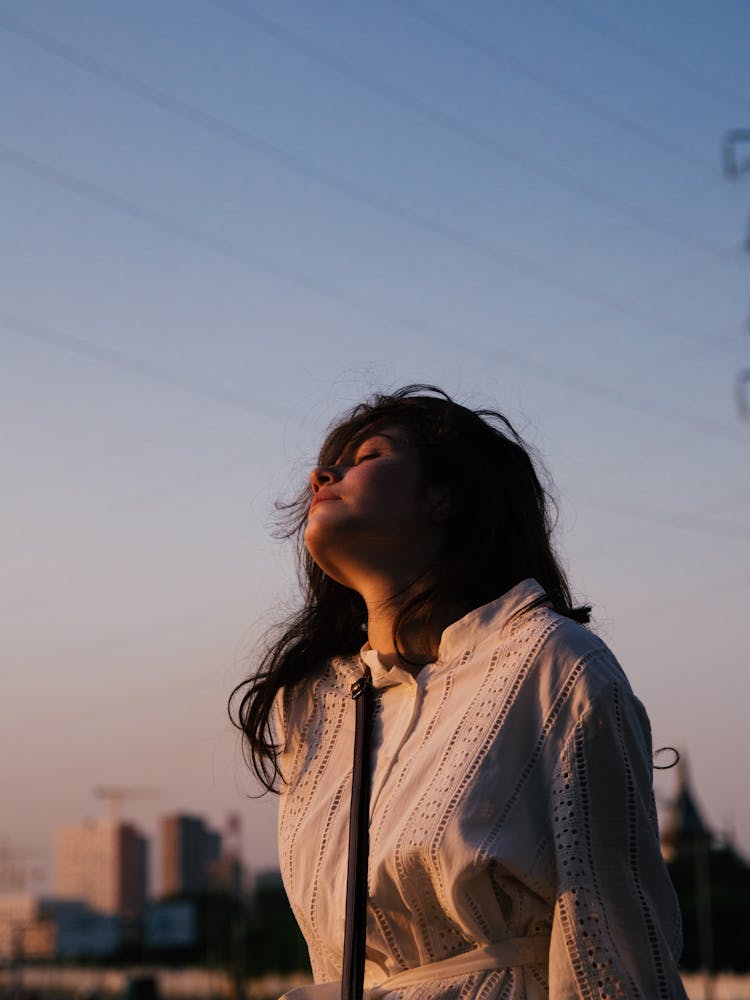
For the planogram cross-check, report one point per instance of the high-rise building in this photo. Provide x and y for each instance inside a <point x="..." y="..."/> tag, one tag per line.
<point x="103" y="863"/>
<point x="228" y="872"/>
<point x="190" y="850"/>
<point x="44" y="927"/>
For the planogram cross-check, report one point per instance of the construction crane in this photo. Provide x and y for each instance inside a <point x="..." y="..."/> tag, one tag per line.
<point x="117" y="794"/>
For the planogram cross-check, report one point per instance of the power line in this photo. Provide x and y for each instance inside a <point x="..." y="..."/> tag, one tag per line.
<point x="83" y="517"/>
<point x="173" y="227"/>
<point x="115" y="358"/>
<point x="656" y="522"/>
<point x="583" y="101"/>
<point x="176" y="553"/>
<point x="549" y="373"/>
<point x="690" y="520"/>
<point x="154" y="558"/>
<point x="467" y="132"/>
<point x="653" y="56"/>
<point x="342" y="185"/>
<point x="81" y="460"/>
<point x="509" y="259"/>
<point x="361" y="303"/>
<point x="128" y="636"/>
<point x="670" y="519"/>
<point x="663" y="518"/>
<point x="706" y="591"/>
<point x="136" y="365"/>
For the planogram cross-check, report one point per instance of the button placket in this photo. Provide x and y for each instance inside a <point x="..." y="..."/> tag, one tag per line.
<point x="396" y="729"/>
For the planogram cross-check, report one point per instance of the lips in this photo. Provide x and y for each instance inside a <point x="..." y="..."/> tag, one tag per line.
<point x="321" y="497"/>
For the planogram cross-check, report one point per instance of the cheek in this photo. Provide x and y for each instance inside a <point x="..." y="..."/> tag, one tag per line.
<point x="396" y="486"/>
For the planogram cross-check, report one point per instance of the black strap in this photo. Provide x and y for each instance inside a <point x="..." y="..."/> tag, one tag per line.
<point x="353" y="972"/>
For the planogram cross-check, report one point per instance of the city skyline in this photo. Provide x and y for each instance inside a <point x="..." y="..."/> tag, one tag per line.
<point x="93" y="859"/>
<point x="225" y="223"/>
<point x="182" y="848"/>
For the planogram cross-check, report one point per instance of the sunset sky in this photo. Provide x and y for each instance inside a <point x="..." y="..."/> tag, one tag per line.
<point x="225" y="222"/>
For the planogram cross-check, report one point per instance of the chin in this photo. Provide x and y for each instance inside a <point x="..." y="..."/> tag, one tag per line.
<point x="324" y="529"/>
<point x="319" y="543"/>
<point x="323" y="551"/>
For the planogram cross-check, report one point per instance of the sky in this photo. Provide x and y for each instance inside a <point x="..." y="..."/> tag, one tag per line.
<point x="225" y="222"/>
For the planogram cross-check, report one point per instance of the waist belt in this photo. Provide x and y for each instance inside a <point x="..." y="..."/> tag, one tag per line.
<point x="502" y="955"/>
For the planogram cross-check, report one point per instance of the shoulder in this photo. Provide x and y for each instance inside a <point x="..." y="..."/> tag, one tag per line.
<point x="574" y="672"/>
<point x="522" y="626"/>
<point x="591" y="662"/>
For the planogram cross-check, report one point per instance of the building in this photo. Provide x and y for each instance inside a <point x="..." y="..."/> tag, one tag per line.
<point x="44" y="928"/>
<point x="684" y="828"/>
<point x="17" y="911"/>
<point x="171" y="924"/>
<point x="103" y="863"/>
<point x="190" y="854"/>
<point x="712" y="881"/>
<point x="228" y="873"/>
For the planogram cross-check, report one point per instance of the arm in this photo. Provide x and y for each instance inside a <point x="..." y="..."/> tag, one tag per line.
<point x="616" y="930"/>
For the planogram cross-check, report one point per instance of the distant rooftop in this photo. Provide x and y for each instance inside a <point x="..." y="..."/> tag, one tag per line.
<point x="684" y="826"/>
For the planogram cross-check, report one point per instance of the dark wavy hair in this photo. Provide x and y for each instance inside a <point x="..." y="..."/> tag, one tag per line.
<point x="498" y="533"/>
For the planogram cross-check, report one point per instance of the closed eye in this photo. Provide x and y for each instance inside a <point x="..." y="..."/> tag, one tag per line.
<point x="365" y="456"/>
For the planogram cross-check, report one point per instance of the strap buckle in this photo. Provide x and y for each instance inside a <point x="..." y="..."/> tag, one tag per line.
<point x="358" y="687"/>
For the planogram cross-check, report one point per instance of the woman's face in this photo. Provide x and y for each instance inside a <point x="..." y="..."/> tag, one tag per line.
<point x="372" y="516"/>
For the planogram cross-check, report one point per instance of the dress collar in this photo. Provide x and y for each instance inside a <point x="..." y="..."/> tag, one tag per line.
<point x="462" y="635"/>
<point x="470" y="630"/>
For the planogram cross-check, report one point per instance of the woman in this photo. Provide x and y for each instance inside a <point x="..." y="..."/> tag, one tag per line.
<point x="511" y="810"/>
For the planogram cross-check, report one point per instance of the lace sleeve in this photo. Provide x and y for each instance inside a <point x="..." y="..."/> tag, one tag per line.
<point x="616" y="929"/>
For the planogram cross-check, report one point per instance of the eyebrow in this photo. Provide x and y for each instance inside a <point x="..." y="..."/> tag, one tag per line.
<point x="353" y="446"/>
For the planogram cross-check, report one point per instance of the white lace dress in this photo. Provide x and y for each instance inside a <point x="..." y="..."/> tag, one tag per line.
<point x="511" y="798"/>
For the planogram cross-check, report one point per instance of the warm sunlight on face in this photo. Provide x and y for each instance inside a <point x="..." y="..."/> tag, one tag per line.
<point x="372" y="513"/>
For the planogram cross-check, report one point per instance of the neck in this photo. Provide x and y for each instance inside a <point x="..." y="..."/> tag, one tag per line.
<point x="418" y="643"/>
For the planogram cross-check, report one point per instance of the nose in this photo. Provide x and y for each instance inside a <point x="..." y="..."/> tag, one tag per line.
<point x="321" y="476"/>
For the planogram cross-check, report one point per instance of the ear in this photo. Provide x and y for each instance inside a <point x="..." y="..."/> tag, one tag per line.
<point x="440" y="503"/>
